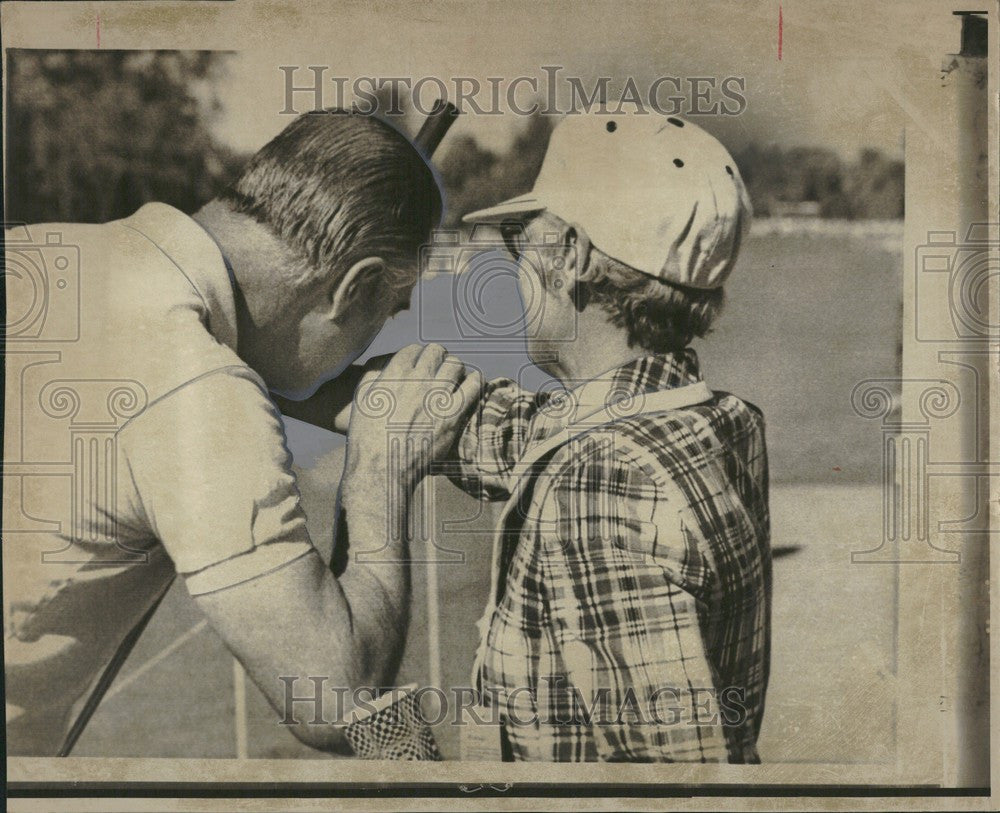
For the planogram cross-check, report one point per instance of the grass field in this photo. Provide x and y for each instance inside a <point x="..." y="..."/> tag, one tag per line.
<point x="809" y="316"/>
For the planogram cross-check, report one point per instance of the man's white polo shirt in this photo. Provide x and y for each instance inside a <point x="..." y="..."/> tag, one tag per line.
<point x="137" y="444"/>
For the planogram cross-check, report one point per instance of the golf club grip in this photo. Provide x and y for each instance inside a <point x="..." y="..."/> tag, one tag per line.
<point x="433" y="130"/>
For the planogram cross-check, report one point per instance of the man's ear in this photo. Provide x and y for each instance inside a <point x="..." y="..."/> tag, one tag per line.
<point x="360" y="285"/>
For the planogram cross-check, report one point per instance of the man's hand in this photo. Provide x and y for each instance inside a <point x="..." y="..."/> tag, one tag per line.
<point x="404" y="417"/>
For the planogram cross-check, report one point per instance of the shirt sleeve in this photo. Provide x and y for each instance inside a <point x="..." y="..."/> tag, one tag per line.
<point x="214" y="480"/>
<point x="492" y="441"/>
<point x="622" y="627"/>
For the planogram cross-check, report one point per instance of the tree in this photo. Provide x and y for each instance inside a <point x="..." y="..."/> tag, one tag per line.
<point x="95" y="134"/>
<point x="475" y="178"/>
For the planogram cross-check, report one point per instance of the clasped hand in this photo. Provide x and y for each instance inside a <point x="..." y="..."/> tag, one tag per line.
<point x="404" y="417"/>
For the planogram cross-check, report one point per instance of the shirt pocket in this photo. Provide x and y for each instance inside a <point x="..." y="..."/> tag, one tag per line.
<point x="641" y="538"/>
<point x="667" y="543"/>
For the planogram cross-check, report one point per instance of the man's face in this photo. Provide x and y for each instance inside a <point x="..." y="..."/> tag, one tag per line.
<point x="545" y="267"/>
<point x="321" y="347"/>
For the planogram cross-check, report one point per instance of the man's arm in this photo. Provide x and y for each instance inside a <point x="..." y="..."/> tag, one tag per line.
<point x="620" y="619"/>
<point x="213" y="476"/>
<point x="300" y="623"/>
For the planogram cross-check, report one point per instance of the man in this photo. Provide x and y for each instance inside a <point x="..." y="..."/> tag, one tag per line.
<point x="629" y="612"/>
<point x="158" y="385"/>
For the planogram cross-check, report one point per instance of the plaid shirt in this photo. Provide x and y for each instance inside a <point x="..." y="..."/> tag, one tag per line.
<point x="632" y="617"/>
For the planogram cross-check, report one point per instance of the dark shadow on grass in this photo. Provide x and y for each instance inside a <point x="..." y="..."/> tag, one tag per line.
<point x="780" y="551"/>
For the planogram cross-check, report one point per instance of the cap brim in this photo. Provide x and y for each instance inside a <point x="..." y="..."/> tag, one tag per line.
<point x="507" y="210"/>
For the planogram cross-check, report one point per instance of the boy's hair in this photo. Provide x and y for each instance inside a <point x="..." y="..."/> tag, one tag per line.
<point x="659" y="316"/>
<point x="337" y="186"/>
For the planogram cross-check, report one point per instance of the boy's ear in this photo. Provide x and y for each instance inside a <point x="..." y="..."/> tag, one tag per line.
<point x="576" y="251"/>
<point x="361" y="285"/>
<point x="577" y="267"/>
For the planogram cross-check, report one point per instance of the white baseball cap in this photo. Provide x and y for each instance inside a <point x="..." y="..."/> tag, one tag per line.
<point x="656" y="193"/>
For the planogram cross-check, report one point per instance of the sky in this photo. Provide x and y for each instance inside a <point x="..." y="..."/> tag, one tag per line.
<point x="840" y="82"/>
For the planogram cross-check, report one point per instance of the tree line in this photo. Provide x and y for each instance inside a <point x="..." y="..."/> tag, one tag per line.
<point x="92" y="135"/>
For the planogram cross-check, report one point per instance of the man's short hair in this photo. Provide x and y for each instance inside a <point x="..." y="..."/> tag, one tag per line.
<point x="658" y="316"/>
<point x="337" y="186"/>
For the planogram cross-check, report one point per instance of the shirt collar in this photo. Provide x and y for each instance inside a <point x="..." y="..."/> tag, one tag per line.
<point x="198" y="257"/>
<point x="647" y="374"/>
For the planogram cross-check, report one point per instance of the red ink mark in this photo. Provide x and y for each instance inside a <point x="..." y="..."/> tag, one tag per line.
<point x="99" y="31"/>
<point x="780" y="27"/>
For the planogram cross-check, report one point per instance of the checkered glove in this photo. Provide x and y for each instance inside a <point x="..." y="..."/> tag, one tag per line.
<point x="395" y="730"/>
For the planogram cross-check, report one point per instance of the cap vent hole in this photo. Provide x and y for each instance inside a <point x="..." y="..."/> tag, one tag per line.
<point x="612" y="126"/>
<point x="678" y="162"/>
<point x="676" y="122"/>
<point x="729" y="169"/>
